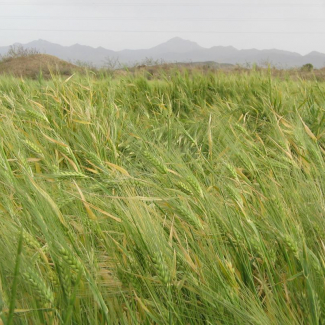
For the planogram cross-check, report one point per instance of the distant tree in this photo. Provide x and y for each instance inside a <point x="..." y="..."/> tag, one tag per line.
<point x="17" y="51"/>
<point x="111" y="63"/>
<point x="307" y="67"/>
<point x="85" y="65"/>
<point x="150" y="62"/>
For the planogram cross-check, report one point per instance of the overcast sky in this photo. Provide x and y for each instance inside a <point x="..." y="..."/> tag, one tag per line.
<point x="295" y="25"/>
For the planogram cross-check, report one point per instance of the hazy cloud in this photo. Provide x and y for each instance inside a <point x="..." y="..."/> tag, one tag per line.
<point x="286" y="24"/>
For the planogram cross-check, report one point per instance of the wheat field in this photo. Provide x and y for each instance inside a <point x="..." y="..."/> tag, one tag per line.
<point x="191" y="198"/>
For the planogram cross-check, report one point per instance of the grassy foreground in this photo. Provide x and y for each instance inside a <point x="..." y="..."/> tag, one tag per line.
<point x="185" y="200"/>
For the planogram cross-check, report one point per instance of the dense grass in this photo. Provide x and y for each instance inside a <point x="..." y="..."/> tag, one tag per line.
<point x="185" y="200"/>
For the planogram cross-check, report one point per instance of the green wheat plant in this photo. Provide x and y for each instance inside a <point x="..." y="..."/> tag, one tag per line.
<point x="190" y="198"/>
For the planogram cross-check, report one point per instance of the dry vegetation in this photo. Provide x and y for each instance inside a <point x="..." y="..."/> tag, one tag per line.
<point x="156" y="71"/>
<point x="34" y="65"/>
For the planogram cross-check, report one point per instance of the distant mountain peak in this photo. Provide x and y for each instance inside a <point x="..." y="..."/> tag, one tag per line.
<point x="314" y="53"/>
<point x="180" y="40"/>
<point x="41" y="41"/>
<point x="178" y="45"/>
<point x="178" y="50"/>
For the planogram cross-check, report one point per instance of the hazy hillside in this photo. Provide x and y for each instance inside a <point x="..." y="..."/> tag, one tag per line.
<point x="177" y="50"/>
<point x="32" y="66"/>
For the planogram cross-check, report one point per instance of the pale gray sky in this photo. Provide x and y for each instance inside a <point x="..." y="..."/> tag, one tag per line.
<point x="295" y="25"/>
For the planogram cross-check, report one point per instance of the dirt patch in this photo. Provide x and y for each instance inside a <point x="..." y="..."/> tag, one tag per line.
<point x="33" y="65"/>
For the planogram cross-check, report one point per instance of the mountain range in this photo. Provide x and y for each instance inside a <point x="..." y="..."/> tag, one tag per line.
<point x="175" y="50"/>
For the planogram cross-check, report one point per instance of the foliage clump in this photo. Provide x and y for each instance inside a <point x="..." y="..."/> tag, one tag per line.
<point x="18" y="51"/>
<point x="308" y="67"/>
